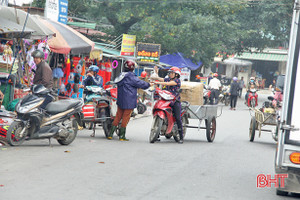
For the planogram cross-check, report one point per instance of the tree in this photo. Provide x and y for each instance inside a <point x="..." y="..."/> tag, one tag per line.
<point x="39" y="3"/>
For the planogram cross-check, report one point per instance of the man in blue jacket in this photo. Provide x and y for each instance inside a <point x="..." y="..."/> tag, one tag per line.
<point x="127" y="83"/>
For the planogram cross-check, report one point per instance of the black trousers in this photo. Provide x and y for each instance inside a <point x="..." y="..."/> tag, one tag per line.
<point x="233" y="99"/>
<point x="214" y="96"/>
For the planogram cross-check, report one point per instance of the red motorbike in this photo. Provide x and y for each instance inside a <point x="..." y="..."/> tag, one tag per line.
<point x="252" y="98"/>
<point x="164" y="122"/>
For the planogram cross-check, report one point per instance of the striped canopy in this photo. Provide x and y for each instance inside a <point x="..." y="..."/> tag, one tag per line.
<point x="67" y="40"/>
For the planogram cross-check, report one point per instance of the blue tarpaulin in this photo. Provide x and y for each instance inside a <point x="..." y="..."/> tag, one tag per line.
<point x="178" y="60"/>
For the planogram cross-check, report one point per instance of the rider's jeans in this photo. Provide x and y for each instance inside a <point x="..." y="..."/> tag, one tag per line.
<point x="177" y="112"/>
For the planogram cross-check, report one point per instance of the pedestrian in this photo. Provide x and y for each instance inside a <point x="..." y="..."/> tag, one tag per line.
<point x="242" y="85"/>
<point x="215" y="86"/>
<point x="43" y="75"/>
<point x="92" y="77"/>
<point x="234" y="92"/>
<point x="127" y="83"/>
<point x="173" y="84"/>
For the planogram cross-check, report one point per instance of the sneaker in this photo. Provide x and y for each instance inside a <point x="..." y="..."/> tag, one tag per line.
<point x="180" y="141"/>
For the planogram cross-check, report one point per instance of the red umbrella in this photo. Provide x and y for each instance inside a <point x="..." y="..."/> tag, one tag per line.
<point x="67" y="40"/>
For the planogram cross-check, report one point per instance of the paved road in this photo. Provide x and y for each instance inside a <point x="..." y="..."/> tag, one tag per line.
<point x="95" y="168"/>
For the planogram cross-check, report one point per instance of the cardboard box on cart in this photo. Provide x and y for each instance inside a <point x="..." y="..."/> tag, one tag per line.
<point x="192" y="92"/>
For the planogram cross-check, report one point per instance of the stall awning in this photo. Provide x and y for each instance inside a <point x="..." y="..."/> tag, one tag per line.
<point x="264" y="56"/>
<point x="106" y="50"/>
<point x="83" y="24"/>
<point x="178" y="60"/>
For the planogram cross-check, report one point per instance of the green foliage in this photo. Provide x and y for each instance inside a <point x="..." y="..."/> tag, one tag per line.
<point x="39" y="3"/>
<point x="199" y="29"/>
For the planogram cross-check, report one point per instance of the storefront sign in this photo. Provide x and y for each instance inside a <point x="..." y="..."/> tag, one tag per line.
<point x="148" y="52"/>
<point x="204" y="80"/>
<point x="128" y="44"/>
<point x="57" y="10"/>
<point x="185" y="74"/>
<point x="63" y="11"/>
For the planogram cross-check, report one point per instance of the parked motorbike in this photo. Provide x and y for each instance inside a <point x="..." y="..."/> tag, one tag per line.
<point x="206" y="95"/>
<point x="59" y="119"/>
<point x="252" y="98"/>
<point x="224" y="95"/>
<point x="164" y="122"/>
<point x="97" y="108"/>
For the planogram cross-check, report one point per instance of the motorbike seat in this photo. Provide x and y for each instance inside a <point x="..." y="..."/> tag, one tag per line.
<point x="61" y="106"/>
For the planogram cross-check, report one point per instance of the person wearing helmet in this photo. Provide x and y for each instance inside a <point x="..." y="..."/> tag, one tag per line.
<point x="215" y="85"/>
<point x="127" y="83"/>
<point x="253" y="84"/>
<point x="43" y="75"/>
<point x="173" y="84"/>
<point x="92" y="77"/>
<point x="43" y="72"/>
<point x="234" y="92"/>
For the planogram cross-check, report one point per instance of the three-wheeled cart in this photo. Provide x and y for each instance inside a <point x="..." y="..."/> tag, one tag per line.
<point x="208" y="113"/>
<point x="261" y="119"/>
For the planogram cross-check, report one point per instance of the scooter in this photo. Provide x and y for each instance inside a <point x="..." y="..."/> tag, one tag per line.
<point x="224" y="96"/>
<point x="252" y="98"/>
<point x="59" y="119"/>
<point x="97" y="109"/>
<point x="206" y="94"/>
<point x="164" y="122"/>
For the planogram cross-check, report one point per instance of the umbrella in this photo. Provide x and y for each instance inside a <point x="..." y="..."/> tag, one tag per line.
<point x="13" y="30"/>
<point x="235" y="61"/>
<point x="40" y="29"/>
<point x="67" y="40"/>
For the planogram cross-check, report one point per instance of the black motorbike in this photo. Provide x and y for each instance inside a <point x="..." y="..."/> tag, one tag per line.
<point x="58" y="120"/>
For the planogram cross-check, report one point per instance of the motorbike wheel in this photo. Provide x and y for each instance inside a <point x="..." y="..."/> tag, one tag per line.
<point x="252" y="103"/>
<point x="252" y="129"/>
<point x="14" y="136"/>
<point x="107" y="124"/>
<point x="3" y="142"/>
<point x="184" y="123"/>
<point x="211" y="125"/>
<point x="71" y="137"/>
<point x="155" y="129"/>
<point x="227" y="101"/>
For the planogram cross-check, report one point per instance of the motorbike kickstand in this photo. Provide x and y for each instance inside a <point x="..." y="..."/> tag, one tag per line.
<point x="94" y="130"/>
<point x="50" y="145"/>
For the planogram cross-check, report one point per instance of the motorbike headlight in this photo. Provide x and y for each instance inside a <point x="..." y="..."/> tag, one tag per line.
<point x="25" y="109"/>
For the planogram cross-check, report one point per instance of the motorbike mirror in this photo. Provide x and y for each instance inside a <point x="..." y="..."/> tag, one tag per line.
<point x="270" y="98"/>
<point x="109" y="83"/>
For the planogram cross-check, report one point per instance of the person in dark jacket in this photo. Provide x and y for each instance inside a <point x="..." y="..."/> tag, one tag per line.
<point x="43" y="75"/>
<point x="234" y="92"/>
<point x="127" y="83"/>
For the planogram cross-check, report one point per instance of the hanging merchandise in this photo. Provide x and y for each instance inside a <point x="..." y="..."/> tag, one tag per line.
<point x="57" y="73"/>
<point x="71" y="77"/>
<point x="75" y="88"/>
<point x="78" y="69"/>
<point x="76" y="78"/>
<point x="62" y="88"/>
<point x="67" y="70"/>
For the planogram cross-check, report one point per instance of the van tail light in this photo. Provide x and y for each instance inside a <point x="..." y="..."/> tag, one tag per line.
<point x="102" y="105"/>
<point x="295" y="157"/>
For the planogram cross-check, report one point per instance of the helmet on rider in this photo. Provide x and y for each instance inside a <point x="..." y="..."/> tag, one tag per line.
<point x="94" y="68"/>
<point x="129" y="65"/>
<point x="176" y="70"/>
<point x="215" y="75"/>
<point x="143" y="74"/>
<point x="234" y="78"/>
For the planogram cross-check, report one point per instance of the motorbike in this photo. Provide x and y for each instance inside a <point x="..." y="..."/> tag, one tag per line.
<point x="97" y="108"/>
<point x="206" y="95"/>
<point x="252" y="98"/>
<point x="224" y="96"/>
<point x="58" y="120"/>
<point x="164" y="122"/>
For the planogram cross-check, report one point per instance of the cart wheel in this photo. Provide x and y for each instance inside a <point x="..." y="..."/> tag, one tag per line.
<point x="211" y="125"/>
<point x="252" y="129"/>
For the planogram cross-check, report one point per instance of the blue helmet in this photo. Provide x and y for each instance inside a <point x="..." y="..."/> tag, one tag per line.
<point x="234" y="78"/>
<point x="94" y="68"/>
